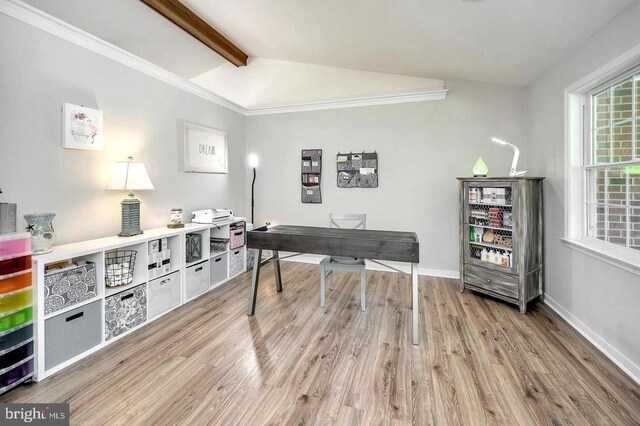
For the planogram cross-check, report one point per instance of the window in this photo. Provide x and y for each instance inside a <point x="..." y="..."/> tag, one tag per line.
<point x="611" y="162"/>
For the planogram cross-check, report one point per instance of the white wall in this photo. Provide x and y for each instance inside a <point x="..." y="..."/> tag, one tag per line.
<point x="422" y="147"/>
<point x="598" y="297"/>
<point x="40" y="72"/>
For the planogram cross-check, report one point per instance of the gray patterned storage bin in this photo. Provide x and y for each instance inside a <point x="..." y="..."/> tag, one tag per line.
<point x="236" y="261"/>
<point x="124" y="311"/>
<point x="69" y="287"/>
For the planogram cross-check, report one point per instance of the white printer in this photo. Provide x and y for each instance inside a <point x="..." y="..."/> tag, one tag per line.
<point x="211" y="216"/>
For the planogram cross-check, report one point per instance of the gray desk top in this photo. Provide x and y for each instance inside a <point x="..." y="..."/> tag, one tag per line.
<point x="364" y="243"/>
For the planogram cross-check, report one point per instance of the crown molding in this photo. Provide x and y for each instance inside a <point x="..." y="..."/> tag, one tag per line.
<point x="438" y="94"/>
<point x="35" y="17"/>
<point x="45" y="22"/>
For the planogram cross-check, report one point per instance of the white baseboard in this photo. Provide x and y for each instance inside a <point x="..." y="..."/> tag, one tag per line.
<point x="442" y="273"/>
<point x="625" y="364"/>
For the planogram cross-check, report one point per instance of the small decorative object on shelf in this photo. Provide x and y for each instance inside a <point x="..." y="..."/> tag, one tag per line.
<point x="42" y="233"/>
<point x="480" y="169"/>
<point x="194" y="247"/>
<point x="119" y="267"/>
<point x="176" y="219"/>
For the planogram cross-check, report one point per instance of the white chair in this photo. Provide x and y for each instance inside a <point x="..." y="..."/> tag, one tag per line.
<point x="340" y="263"/>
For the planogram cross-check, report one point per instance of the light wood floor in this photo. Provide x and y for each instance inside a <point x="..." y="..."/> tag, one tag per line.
<point x="479" y="362"/>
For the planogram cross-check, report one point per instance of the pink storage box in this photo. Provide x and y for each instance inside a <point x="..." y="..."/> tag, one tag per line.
<point x="236" y="235"/>
<point x="14" y="245"/>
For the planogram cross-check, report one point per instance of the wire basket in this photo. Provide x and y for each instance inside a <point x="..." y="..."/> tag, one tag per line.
<point x="119" y="266"/>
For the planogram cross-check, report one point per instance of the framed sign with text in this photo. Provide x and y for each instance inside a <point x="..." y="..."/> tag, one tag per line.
<point x="205" y="149"/>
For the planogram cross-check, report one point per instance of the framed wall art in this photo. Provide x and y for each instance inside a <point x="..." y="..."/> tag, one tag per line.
<point x="205" y="149"/>
<point x="81" y="127"/>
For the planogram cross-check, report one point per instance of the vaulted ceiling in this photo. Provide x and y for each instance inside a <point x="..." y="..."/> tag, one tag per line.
<point x="499" y="41"/>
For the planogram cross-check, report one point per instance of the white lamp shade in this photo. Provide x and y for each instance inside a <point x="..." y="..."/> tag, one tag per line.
<point x="127" y="176"/>
<point x="253" y="161"/>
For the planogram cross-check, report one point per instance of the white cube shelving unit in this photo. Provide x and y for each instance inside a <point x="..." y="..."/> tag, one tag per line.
<point x="80" y="321"/>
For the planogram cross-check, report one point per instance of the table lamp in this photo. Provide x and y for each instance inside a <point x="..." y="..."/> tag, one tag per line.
<point x="129" y="176"/>
<point x="516" y="154"/>
<point x="253" y="163"/>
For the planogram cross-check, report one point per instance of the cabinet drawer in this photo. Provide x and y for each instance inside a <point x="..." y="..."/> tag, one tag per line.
<point x="197" y="279"/>
<point x="236" y="261"/>
<point x="219" y="269"/>
<point x="14" y="265"/>
<point x="16" y="337"/>
<point x="15" y="301"/>
<point x="71" y="333"/>
<point x="14" y="376"/>
<point x="496" y="282"/>
<point x="164" y="294"/>
<point x="124" y="311"/>
<point x="17" y="319"/>
<point x="10" y="359"/>
<point x="15" y="282"/>
<point x="13" y="245"/>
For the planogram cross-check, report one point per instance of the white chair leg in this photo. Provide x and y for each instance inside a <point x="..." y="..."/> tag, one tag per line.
<point x="363" y="291"/>
<point x="322" y="285"/>
<point x="331" y="273"/>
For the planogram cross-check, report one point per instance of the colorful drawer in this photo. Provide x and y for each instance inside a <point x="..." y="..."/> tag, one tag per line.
<point x="14" y="301"/>
<point x="197" y="279"/>
<point x="72" y="333"/>
<point x="16" y="319"/>
<point x="124" y="311"/>
<point x="15" y="282"/>
<point x="16" y="337"/>
<point x="236" y="261"/>
<point x="219" y="268"/>
<point x="14" y="265"/>
<point x="164" y="294"/>
<point x="15" y="245"/>
<point x="69" y="287"/>
<point x="236" y="235"/>
<point x="16" y="375"/>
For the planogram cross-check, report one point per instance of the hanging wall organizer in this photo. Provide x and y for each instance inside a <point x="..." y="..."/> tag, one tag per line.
<point x="311" y="174"/>
<point x="357" y="170"/>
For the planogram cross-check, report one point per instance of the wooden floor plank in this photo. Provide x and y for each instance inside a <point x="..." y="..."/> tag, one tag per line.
<point x="479" y="361"/>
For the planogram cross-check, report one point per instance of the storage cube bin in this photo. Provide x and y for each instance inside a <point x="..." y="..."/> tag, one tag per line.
<point x="16" y="337"/>
<point x="164" y="294"/>
<point x="14" y="320"/>
<point x="218" y="244"/>
<point x="124" y="311"/>
<point x="236" y="235"/>
<point x="15" y="375"/>
<point x="8" y="360"/>
<point x="14" y="265"/>
<point x="13" y="245"/>
<point x="15" y="301"/>
<point x="197" y="279"/>
<point x="236" y="261"/>
<point x="71" y="333"/>
<point x="69" y="287"/>
<point x="218" y="269"/>
<point x="15" y="282"/>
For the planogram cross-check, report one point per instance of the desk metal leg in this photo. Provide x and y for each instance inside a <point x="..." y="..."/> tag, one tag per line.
<point x="415" y="306"/>
<point x="253" y="291"/>
<point x="276" y="270"/>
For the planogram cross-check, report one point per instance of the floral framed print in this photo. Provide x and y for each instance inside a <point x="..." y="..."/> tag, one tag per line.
<point x="205" y="149"/>
<point x="81" y="127"/>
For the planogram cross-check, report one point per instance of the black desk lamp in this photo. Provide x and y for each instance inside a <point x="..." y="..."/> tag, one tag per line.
<point x="253" y="163"/>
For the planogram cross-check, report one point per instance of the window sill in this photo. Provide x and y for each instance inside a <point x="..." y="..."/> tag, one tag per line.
<point x="619" y="258"/>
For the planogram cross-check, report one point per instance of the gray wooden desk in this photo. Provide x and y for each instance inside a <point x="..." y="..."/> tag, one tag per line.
<point x="362" y="243"/>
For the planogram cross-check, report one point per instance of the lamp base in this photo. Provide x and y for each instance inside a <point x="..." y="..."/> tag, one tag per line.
<point x="130" y="217"/>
